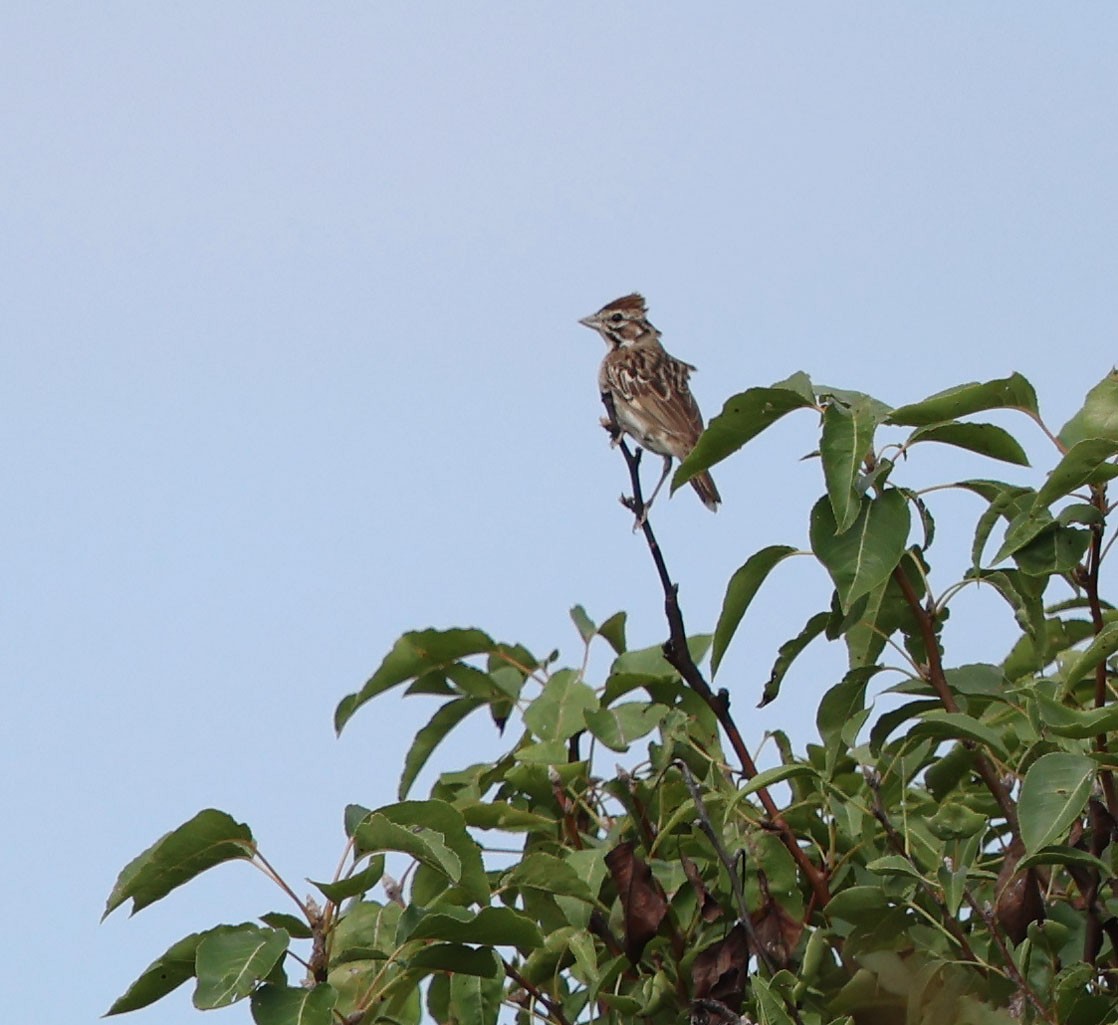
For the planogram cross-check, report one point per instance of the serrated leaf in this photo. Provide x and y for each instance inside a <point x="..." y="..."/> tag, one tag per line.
<point x="354" y="885"/>
<point x="448" y="715"/>
<point x="864" y="556"/>
<point x="1013" y="392"/>
<point x="231" y="960"/>
<point x="208" y="839"/>
<point x="412" y="655"/>
<point x="788" y="652"/>
<point x="985" y="439"/>
<point x="740" y="592"/>
<point x="1098" y="417"/>
<point x="743" y="417"/>
<point x="1084" y="463"/>
<point x="619" y="725"/>
<point x="847" y="437"/>
<point x="557" y="712"/>
<point x="494" y="927"/>
<point x="294" y="1005"/>
<point x="165" y="974"/>
<point x="1053" y="794"/>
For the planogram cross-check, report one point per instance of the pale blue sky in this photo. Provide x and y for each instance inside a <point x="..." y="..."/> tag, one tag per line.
<point x="292" y="365"/>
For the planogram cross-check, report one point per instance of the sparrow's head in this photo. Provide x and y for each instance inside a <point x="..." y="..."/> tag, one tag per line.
<point x="623" y="322"/>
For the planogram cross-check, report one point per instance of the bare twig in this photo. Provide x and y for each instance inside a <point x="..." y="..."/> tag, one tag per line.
<point x="728" y="864"/>
<point x="679" y="657"/>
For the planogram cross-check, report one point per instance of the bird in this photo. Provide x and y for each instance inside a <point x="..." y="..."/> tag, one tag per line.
<point x="651" y="397"/>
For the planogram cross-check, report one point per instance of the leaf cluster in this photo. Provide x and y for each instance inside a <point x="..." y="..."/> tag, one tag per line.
<point x="950" y="857"/>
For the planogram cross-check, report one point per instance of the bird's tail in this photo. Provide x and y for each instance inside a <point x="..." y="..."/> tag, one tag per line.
<point x="703" y="483"/>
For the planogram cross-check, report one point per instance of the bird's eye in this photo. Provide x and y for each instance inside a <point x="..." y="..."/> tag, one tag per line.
<point x="617" y="318"/>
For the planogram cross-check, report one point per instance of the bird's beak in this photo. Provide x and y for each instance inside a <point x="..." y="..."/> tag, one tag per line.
<point x="590" y="322"/>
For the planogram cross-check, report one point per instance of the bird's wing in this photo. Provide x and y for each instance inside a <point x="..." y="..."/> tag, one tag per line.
<point x="655" y="384"/>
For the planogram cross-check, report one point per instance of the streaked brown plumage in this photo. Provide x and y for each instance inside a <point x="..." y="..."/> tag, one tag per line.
<point x="651" y="396"/>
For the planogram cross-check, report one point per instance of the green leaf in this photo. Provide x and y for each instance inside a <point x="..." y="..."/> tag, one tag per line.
<point x="165" y="974"/>
<point x="1063" y="855"/>
<point x="1056" y="550"/>
<point x="557" y="713"/>
<point x="770" y="1007"/>
<point x="985" y="439"/>
<point x="294" y="926"/>
<point x="231" y="960"/>
<point x="412" y="655"/>
<point x="847" y="437"/>
<point x="1005" y="502"/>
<point x="356" y="884"/>
<point x="743" y="417"/>
<point x="1099" y="416"/>
<point x="1102" y="646"/>
<point x="788" y="652"/>
<point x="541" y="871"/>
<point x="777" y="774"/>
<point x="894" y="865"/>
<point x="800" y="383"/>
<point x="377" y="833"/>
<point x="208" y="839"/>
<point x="618" y="726"/>
<point x="448" y="824"/>
<point x="1023" y="529"/>
<point x="430" y="736"/>
<point x="1074" y="723"/>
<point x="1084" y="463"/>
<point x="1013" y="392"/>
<point x="476" y="1001"/>
<point x="865" y="555"/>
<point x="586" y="627"/>
<point x="955" y="821"/>
<point x="366" y="931"/>
<point x="493" y="927"/>
<point x="1025" y="596"/>
<point x="294" y="1005"/>
<point x="455" y="957"/>
<point x="613" y="630"/>
<point x="959" y="726"/>
<point x="1053" y="795"/>
<point x="740" y="592"/>
<point x="506" y="817"/>
<point x="844" y="704"/>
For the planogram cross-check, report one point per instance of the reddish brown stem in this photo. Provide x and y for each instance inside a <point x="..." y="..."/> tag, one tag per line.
<point x="934" y="674"/>
<point x="1091" y="586"/>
